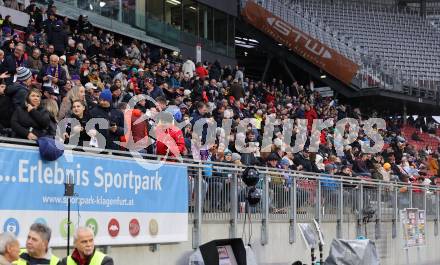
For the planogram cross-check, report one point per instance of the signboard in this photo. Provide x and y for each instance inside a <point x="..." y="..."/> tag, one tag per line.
<point x="301" y="43"/>
<point x="413" y="222"/>
<point x="122" y="201"/>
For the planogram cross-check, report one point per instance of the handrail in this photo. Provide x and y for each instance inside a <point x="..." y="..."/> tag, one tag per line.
<point x="274" y="172"/>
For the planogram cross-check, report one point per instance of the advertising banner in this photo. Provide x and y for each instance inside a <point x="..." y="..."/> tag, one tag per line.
<point x="301" y="43"/>
<point x="123" y="201"/>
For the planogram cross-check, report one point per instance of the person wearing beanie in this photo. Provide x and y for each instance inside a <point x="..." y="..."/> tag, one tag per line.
<point x="113" y="121"/>
<point x="19" y="89"/>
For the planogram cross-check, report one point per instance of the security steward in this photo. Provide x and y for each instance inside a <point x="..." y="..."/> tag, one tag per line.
<point x="85" y="252"/>
<point x="37" y="250"/>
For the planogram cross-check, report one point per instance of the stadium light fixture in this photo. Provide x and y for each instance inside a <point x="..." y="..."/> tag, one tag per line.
<point x="173" y="2"/>
<point x="102" y="4"/>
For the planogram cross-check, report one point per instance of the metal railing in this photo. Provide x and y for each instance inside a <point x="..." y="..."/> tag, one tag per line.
<point x="218" y="194"/>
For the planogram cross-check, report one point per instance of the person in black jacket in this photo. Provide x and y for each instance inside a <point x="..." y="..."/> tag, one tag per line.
<point x="111" y="126"/>
<point x="31" y="120"/>
<point x="78" y="130"/>
<point x="14" y="61"/>
<point x="58" y="38"/>
<point x="17" y="91"/>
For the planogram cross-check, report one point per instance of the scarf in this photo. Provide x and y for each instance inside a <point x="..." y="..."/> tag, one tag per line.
<point x="54" y="72"/>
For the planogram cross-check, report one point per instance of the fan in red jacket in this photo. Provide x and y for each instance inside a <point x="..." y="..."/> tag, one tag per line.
<point x="169" y="137"/>
<point x="201" y="71"/>
<point x="310" y="115"/>
<point x="136" y="135"/>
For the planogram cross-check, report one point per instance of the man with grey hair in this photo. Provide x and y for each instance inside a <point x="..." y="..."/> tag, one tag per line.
<point x="53" y="76"/>
<point x="14" y="61"/>
<point x="85" y="252"/>
<point x="37" y="247"/>
<point x="9" y="248"/>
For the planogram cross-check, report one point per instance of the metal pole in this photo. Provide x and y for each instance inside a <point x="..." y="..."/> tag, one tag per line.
<point x="234" y="204"/>
<point x="318" y="214"/>
<point x="292" y="226"/>
<point x="437" y="216"/>
<point x="340" y="210"/>
<point x="395" y="213"/>
<point x="410" y="190"/>
<point x="360" y="206"/>
<point x="425" y="190"/>
<point x="379" y="212"/>
<point x="266" y="199"/>
<point x="68" y="226"/>
<point x="197" y="226"/>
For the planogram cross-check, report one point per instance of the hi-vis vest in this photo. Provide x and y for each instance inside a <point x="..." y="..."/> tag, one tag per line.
<point x="53" y="259"/>
<point x="97" y="259"/>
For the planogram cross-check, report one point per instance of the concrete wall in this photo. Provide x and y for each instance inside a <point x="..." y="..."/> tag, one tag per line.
<point x="278" y="250"/>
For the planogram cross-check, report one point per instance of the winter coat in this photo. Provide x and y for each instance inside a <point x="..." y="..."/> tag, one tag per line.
<point x="111" y="116"/>
<point x="136" y="133"/>
<point x="215" y="72"/>
<point x="49" y="70"/>
<point x="35" y="65"/>
<point x="11" y="64"/>
<point x="58" y="38"/>
<point x="310" y="115"/>
<point x="17" y="93"/>
<point x="83" y="136"/>
<point x="38" y="119"/>
<point x="169" y="141"/>
<point x="6" y="110"/>
<point x="201" y="72"/>
<point x="237" y="91"/>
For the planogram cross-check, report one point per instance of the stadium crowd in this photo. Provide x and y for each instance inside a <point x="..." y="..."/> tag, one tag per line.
<point x="57" y="69"/>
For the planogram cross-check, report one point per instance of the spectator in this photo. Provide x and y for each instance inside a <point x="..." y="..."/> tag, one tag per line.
<point x="34" y="61"/>
<point x="31" y="120"/>
<point x="239" y="74"/>
<point x="53" y="75"/>
<point x="237" y="90"/>
<point x="77" y="93"/>
<point x="84" y="26"/>
<point x="18" y="90"/>
<point x="170" y="140"/>
<point x="14" y="61"/>
<point x="113" y="121"/>
<point x="58" y="38"/>
<point x="9" y="248"/>
<point x="189" y="68"/>
<point x="79" y="113"/>
<point x="133" y="52"/>
<point x="201" y="71"/>
<point x="52" y="108"/>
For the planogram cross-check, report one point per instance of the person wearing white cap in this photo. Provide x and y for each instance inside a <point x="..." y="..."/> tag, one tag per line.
<point x="19" y="89"/>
